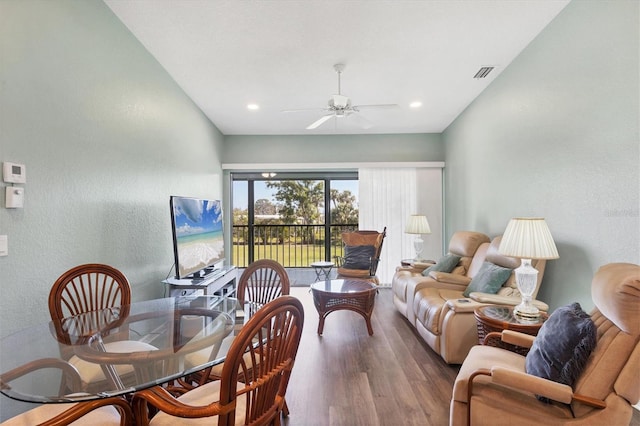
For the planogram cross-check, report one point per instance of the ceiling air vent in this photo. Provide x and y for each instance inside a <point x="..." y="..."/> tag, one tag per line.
<point x="483" y="72"/>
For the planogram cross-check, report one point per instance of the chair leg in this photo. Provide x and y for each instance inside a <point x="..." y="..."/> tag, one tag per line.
<point x="285" y="409"/>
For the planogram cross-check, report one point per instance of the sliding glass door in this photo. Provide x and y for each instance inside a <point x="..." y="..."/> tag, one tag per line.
<point x="293" y="218"/>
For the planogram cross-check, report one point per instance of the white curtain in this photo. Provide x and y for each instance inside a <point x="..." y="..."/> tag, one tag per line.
<point x="387" y="197"/>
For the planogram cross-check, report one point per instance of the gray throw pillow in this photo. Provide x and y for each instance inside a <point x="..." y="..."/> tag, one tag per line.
<point x="489" y="279"/>
<point x="447" y="263"/>
<point x="358" y="257"/>
<point x="563" y="346"/>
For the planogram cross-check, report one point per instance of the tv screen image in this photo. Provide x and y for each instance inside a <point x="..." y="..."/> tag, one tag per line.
<point x="198" y="240"/>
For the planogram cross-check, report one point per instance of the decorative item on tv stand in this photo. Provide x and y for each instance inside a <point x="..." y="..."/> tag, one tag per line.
<point x="418" y="225"/>
<point x="527" y="238"/>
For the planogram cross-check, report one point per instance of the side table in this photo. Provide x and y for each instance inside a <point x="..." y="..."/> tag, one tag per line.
<point x="323" y="270"/>
<point x="498" y="317"/>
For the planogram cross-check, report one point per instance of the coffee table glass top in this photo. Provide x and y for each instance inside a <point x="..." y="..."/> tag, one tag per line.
<point x="342" y="286"/>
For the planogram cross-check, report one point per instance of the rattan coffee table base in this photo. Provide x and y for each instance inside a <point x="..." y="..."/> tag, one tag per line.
<point x="353" y="295"/>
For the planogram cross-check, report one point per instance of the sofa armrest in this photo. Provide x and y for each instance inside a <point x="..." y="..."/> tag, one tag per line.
<point x="529" y="383"/>
<point x="463" y="305"/>
<point x="532" y="384"/>
<point x="408" y="271"/>
<point x="517" y="338"/>
<point x="421" y="266"/>
<point x="494" y="299"/>
<point x="446" y="277"/>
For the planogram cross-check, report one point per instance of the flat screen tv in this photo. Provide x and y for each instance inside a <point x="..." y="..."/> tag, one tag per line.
<point x="198" y="240"/>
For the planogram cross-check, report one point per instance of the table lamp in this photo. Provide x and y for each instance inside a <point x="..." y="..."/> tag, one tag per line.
<point x="418" y="225"/>
<point x="527" y="238"/>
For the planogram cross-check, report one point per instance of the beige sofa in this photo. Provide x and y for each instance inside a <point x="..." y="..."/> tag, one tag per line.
<point x="440" y="313"/>
<point x="407" y="281"/>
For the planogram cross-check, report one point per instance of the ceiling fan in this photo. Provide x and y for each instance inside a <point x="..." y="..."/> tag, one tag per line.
<point x="339" y="106"/>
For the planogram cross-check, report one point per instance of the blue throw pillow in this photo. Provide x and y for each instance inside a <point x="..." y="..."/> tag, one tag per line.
<point x="447" y="263"/>
<point x="563" y="346"/>
<point x="489" y="279"/>
<point x="358" y="257"/>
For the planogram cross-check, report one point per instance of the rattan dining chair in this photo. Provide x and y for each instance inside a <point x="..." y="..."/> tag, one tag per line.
<point x="90" y="288"/>
<point x="105" y="411"/>
<point x="261" y="282"/>
<point x="263" y="353"/>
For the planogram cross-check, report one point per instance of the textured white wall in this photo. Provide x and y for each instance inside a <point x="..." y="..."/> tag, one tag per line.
<point x="556" y="135"/>
<point x="107" y="136"/>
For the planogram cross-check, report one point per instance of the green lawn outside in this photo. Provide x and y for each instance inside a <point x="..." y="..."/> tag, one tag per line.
<point x="288" y="255"/>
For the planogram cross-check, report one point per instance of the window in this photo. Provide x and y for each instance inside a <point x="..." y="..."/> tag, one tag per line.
<point x="284" y="216"/>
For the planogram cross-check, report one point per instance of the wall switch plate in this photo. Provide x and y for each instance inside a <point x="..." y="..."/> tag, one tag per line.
<point x="4" y="245"/>
<point x="14" y="197"/>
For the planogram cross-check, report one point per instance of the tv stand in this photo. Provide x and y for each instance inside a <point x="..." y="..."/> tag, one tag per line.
<point x="220" y="282"/>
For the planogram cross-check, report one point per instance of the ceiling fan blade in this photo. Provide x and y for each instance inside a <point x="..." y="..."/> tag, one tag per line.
<point x="319" y="121"/>
<point x="356" y="107"/>
<point x="361" y="120"/>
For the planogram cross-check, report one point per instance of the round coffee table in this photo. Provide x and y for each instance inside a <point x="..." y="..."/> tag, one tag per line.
<point x="348" y="294"/>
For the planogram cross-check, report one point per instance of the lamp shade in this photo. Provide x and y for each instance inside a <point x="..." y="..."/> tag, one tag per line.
<point x="528" y="238"/>
<point x="417" y="224"/>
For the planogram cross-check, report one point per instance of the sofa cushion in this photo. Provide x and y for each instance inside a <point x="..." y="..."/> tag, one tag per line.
<point x="358" y="257"/>
<point x="447" y="263"/>
<point x="563" y="346"/>
<point x="429" y="304"/>
<point x="489" y="279"/>
<point x="616" y="293"/>
<point x="466" y="243"/>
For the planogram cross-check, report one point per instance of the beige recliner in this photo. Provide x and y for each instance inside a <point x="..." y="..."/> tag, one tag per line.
<point x="493" y="388"/>
<point x="407" y="281"/>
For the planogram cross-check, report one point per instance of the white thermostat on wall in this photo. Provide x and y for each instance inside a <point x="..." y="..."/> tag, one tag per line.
<point x="14" y="173"/>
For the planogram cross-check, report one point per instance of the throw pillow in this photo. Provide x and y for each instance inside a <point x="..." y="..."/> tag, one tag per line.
<point x="563" y="346"/>
<point x="358" y="257"/>
<point x="447" y="263"/>
<point x="489" y="279"/>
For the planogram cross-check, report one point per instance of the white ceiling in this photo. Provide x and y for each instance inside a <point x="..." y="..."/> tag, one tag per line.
<point x="280" y="54"/>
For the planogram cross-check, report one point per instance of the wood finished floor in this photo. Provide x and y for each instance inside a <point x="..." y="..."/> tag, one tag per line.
<point x="347" y="377"/>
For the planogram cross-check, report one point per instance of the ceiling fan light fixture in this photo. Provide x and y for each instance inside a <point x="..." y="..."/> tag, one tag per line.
<point x="253" y="107"/>
<point x="415" y="104"/>
<point x="340" y="101"/>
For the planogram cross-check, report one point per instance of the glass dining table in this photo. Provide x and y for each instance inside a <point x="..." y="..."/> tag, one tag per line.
<point x="172" y="338"/>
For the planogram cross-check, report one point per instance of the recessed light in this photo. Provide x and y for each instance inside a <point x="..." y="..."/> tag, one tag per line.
<point x="416" y="104"/>
<point x="253" y="107"/>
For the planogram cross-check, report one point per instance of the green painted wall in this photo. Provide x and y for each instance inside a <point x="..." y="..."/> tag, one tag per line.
<point x="333" y="148"/>
<point x="106" y="136"/>
<point x="556" y="135"/>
